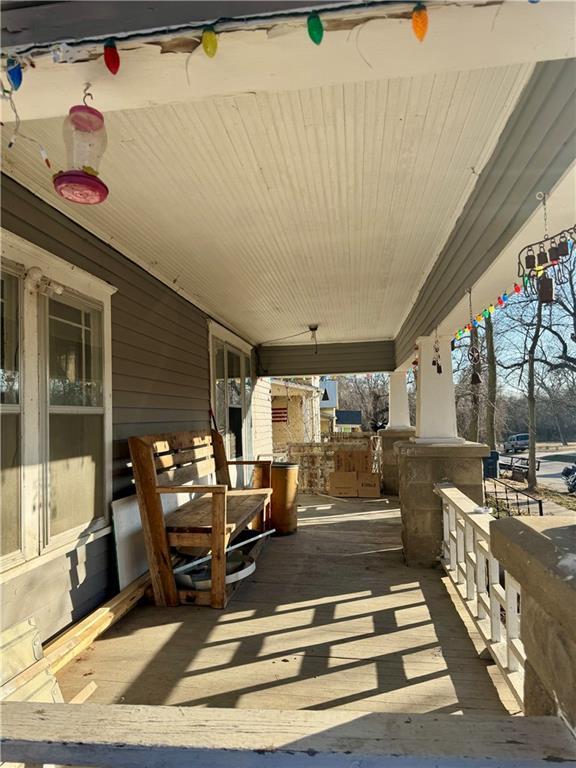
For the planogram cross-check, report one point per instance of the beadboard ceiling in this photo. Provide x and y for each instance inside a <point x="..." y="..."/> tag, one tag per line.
<point x="279" y="209"/>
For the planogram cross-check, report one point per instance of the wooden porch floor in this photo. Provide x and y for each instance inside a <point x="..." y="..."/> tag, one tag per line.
<point x="332" y="618"/>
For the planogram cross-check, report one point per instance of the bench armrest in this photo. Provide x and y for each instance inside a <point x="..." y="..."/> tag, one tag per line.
<point x="248" y="491"/>
<point x="259" y="462"/>
<point x="191" y="489"/>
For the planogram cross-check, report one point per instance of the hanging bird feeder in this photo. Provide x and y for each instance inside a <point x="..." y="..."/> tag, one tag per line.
<point x="85" y="141"/>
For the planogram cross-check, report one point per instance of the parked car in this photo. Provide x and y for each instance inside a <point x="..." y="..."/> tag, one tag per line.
<point x="514" y="443"/>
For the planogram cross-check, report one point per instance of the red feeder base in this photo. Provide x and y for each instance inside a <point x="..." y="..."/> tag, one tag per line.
<point x="80" y="187"/>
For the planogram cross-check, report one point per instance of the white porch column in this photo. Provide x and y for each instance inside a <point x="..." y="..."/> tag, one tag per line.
<point x="398" y="410"/>
<point x="435" y="398"/>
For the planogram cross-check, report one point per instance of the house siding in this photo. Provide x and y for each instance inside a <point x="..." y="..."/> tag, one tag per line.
<point x="160" y="382"/>
<point x="262" y="418"/>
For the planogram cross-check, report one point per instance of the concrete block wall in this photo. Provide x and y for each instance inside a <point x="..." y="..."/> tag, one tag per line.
<point x="316" y="460"/>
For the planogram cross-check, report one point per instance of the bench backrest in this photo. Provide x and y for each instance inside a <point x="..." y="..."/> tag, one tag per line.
<point x="179" y="458"/>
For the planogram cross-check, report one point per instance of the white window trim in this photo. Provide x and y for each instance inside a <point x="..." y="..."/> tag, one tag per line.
<point x="21" y="256"/>
<point x="237" y="344"/>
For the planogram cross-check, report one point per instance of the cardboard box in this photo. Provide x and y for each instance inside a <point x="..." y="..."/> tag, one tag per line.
<point x="368" y="485"/>
<point x="352" y="460"/>
<point x="344" y="484"/>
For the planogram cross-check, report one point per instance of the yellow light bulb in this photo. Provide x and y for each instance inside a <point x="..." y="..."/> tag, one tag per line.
<point x="210" y="42"/>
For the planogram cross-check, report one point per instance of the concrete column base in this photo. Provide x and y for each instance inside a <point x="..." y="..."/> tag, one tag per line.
<point x="389" y="436"/>
<point x="421" y="466"/>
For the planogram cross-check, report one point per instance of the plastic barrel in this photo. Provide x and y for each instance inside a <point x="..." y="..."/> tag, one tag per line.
<point x="284" y="508"/>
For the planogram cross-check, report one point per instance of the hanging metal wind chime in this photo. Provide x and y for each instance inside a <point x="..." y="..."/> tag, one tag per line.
<point x="542" y="265"/>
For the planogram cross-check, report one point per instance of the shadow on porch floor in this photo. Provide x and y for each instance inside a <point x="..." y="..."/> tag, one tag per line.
<point x="332" y="618"/>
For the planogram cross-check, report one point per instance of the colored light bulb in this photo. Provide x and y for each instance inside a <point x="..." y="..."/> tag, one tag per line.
<point x="475" y="323"/>
<point x="111" y="56"/>
<point x="486" y="313"/>
<point x="315" y="28"/>
<point x="210" y="42"/>
<point x="517" y="288"/>
<point x="504" y="298"/>
<point x="500" y="301"/>
<point x="14" y="73"/>
<point x="491" y="309"/>
<point x="420" y="21"/>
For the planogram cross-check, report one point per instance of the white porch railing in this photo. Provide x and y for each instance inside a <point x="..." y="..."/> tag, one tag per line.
<point x="489" y="593"/>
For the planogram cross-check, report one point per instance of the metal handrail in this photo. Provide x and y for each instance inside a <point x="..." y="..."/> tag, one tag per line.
<point x="511" y="490"/>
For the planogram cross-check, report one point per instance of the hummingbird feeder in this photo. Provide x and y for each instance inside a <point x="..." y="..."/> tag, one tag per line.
<point x="85" y="141"/>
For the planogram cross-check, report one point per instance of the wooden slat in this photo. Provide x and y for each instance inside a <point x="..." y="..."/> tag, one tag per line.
<point x="222" y="471"/>
<point x="152" y="516"/>
<point x="178" y="441"/>
<point x="170" y="737"/>
<point x="176" y="459"/>
<point x="187" y="474"/>
<point x="73" y="641"/>
<point x="196" y="516"/>
<point x="218" y="563"/>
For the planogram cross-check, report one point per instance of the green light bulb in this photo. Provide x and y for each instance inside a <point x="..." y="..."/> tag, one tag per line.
<point x="315" y="28"/>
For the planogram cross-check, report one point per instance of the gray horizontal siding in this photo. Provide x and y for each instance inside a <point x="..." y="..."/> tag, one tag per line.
<point x="535" y="149"/>
<point x="160" y="382"/>
<point x="160" y="361"/>
<point x="60" y="591"/>
<point x="307" y="360"/>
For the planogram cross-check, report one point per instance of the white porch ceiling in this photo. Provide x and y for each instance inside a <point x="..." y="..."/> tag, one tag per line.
<point x="274" y="210"/>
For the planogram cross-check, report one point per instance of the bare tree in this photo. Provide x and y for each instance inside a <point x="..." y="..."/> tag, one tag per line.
<point x="490" y="413"/>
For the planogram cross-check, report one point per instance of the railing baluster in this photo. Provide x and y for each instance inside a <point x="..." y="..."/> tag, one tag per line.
<point x="469" y="561"/>
<point x="469" y="558"/>
<point x="512" y="589"/>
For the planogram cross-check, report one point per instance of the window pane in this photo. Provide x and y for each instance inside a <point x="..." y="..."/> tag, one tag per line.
<point x="10" y="483"/>
<point x="235" y="404"/>
<point x="9" y="340"/>
<point x="220" y="387"/>
<point x="247" y="408"/>
<point x="76" y="470"/>
<point x="75" y="355"/>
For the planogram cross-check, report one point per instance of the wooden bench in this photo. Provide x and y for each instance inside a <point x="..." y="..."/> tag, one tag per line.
<point x="173" y="463"/>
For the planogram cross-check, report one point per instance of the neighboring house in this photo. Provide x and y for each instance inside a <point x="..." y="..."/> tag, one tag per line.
<point x="348" y="421"/>
<point x="328" y="405"/>
<point x="295" y="413"/>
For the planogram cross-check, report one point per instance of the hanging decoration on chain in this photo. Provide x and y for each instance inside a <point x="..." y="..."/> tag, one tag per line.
<point x="542" y="265"/>
<point x="473" y="352"/>
<point x="436" y="359"/>
<point x="85" y="140"/>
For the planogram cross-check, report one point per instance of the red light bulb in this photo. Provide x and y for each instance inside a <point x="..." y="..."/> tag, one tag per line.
<point x="517" y="288"/>
<point x="111" y="56"/>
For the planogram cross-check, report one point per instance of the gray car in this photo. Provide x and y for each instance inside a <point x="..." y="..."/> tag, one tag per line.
<point x="514" y="443"/>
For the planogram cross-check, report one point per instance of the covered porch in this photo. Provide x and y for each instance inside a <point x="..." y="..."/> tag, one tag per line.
<point x="333" y="618"/>
<point x="281" y="209"/>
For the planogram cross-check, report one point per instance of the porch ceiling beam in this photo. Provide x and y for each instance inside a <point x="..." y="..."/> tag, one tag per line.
<point x="306" y="360"/>
<point x="535" y="150"/>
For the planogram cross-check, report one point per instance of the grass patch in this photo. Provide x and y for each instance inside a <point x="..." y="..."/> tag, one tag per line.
<point x="567" y="500"/>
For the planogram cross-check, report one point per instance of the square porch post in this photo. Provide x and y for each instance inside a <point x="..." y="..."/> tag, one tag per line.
<point x="435" y="454"/>
<point x="398" y="429"/>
